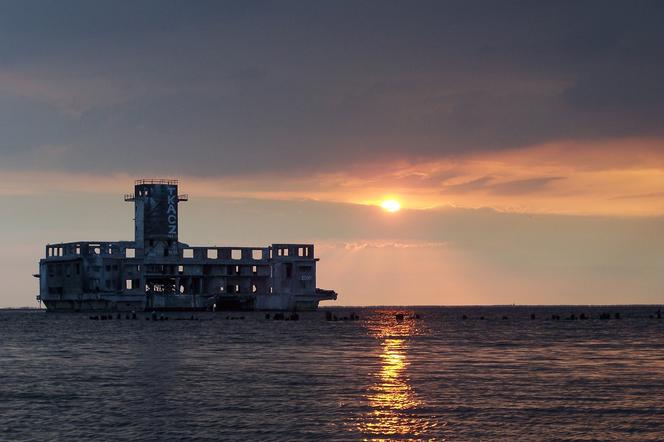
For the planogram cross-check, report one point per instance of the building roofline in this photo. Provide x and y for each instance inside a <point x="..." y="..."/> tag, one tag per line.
<point x="156" y="181"/>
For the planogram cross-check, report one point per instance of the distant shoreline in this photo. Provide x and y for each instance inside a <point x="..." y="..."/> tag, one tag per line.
<point x="432" y="306"/>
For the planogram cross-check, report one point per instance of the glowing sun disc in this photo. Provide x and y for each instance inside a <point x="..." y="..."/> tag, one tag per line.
<point x="391" y="205"/>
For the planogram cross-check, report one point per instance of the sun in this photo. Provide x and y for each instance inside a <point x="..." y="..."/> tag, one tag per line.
<point x="391" y="205"/>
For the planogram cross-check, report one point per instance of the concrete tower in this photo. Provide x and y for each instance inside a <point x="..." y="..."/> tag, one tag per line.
<point x="156" y="217"/>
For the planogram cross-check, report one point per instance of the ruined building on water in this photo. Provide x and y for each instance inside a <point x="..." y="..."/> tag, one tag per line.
<point x="157" y="272"/>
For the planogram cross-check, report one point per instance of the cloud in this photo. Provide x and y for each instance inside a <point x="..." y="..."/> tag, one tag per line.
<point x="468" y="186"/>
<point x="518" y="187"/>
<point x="217" y="88"/>
<point x="639" y="196"/>
<point x="491" y="185"/>
<point x="355" y="246"/>
<point x="568" y="178"/>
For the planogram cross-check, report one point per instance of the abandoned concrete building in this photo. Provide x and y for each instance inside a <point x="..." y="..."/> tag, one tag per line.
<point x="157" y="272"/>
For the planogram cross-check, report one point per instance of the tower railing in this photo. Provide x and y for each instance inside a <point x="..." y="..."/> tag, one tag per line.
<point x="131" y="197"/>
<point x="156" y="181"/>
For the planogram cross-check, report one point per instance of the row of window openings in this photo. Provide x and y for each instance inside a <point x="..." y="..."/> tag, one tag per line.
<point x="211" y="253"/>
<point x="96" y="250"/>
<point x="301" y="251"/>
<point x="214" y="254"/>
<point x="186" y="253"/>
<point x="254" y="269"/>
<point x="131" y="283"/>
<point x="114" y="268"/>
<point x="234" y="270"/>
<point x="57" y="269"/>
<point x="237" y="253"/>
<point x="59" y="251"/>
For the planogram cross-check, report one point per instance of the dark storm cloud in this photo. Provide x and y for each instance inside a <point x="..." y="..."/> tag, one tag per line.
<point x="226" y="87"/>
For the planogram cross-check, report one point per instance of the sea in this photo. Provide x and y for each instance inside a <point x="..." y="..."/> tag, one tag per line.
<point x="396" y="373"/>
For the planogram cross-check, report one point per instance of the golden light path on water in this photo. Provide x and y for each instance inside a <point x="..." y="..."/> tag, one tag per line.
<point x="394" y="404"/>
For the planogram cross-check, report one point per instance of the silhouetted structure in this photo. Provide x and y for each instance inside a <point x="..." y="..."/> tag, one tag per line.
<point x="156" y="272"/>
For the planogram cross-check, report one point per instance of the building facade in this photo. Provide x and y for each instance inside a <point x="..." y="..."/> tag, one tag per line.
<point x="157" y="272"/>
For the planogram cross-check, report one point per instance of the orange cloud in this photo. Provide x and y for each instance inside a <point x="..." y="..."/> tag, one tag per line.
<point x="623" y="177"/>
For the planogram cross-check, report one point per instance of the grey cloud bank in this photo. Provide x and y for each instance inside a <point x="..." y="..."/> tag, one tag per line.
<point x="218" y="88"/>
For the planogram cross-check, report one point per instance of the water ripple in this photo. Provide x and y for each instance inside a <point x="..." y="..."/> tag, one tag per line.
<point x="440" y="377"/>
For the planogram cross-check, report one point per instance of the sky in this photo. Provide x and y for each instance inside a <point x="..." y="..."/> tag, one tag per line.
<point x="524" y="140"/>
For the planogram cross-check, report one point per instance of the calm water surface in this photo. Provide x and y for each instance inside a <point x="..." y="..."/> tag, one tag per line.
<point x="64" y="376"/>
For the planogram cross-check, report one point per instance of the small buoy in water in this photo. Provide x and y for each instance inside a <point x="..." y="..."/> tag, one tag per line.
<point x="583" y="316"/>
<point x="464" y="317"/>
<point x="133" y="315"/>
<point x="504" y="317"/>
<point x="399" y="316"/>
<point x="267" y="316"/>
<point x="532" y="316"/>
<point x="659" y="314"/>
<point x="328" y="316"/>
<point x="617" y="315"/>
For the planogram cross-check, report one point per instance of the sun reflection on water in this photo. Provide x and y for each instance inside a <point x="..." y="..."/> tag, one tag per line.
<point x="395" y="407"/>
